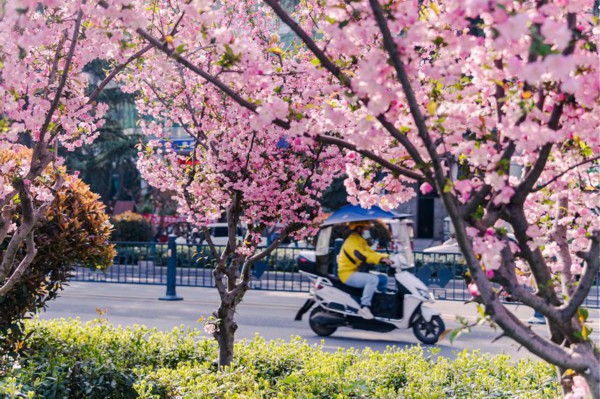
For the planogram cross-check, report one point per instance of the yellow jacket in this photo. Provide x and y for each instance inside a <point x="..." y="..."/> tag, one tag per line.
<point x="355" y="251"/>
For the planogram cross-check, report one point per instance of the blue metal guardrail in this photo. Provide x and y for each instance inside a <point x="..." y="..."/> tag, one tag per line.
<point x="192" y="266"/>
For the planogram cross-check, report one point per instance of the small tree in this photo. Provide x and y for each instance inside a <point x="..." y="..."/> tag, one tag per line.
<point x="46" y="46"/>
<point x="75" y="231"/>
<point x="251" y="174"/>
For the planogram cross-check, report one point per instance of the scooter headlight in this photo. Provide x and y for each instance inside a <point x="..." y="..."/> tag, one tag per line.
<point x="425" y="294"/>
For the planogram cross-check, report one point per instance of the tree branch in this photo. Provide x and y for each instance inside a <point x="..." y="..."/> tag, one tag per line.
<point x="535" y="259"/>
<point x="383" y="162"/>
<point x="267" y="251"/>
<point x="28" y="222"/>
<point x="15" y="277"/>
<point x="118" y="69"/>
<point x="559" y="236"/>
<point x="342" y="78"/>
<point x="590" y="272"/>
<point x="534" y="174"/>
<point x="206" y="76"/>
<point x="63" y="77"/>
<point x="394" y="54"/>
<point x="538" y="188"/>
<point x="211" y="244"/>
<point x="53" y="71"/>
<point x="523" y="189"/>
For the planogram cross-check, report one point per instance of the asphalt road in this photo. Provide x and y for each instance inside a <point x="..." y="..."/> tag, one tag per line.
<point x="269" y="314"/>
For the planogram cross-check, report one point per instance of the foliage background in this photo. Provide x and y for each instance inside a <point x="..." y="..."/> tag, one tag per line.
<point x="96" y="360"/>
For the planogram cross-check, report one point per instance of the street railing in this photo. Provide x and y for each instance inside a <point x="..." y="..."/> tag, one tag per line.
<point x="192" y="266"/>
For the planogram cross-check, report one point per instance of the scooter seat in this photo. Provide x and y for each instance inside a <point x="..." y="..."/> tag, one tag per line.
<point x="337" y="283"/>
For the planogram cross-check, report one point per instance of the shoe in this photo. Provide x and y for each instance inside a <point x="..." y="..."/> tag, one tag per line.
<point x="365" y="313"/>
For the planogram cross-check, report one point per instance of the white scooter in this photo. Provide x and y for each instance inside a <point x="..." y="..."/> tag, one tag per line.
<point x="338" y="305"/>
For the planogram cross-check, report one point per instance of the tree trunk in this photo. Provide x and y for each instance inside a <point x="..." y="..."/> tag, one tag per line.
<point x="226" y="332"/>
<point x="593" y="380"/>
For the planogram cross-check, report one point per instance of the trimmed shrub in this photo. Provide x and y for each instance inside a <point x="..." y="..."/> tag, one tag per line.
<point x="70" y="359"/>
<point x="130" y="226"/>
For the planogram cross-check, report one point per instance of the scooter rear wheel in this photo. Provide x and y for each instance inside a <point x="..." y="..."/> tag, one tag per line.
<point x="428" y="332"/>
<point x="320" y="330"/>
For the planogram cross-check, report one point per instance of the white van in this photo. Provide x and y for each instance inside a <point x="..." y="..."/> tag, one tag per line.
<point x="219" y="234"/>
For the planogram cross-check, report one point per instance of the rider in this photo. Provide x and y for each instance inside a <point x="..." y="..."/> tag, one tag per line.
<point x="354" y="253"/>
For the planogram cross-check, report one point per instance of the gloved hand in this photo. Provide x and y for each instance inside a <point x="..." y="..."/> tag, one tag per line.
<point x="386" y="261"/>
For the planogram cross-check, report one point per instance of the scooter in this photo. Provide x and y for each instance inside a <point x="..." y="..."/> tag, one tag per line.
<point x="402" y="308"/>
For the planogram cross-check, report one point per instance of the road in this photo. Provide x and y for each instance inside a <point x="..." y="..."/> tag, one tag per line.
<point x="267" y="313"/>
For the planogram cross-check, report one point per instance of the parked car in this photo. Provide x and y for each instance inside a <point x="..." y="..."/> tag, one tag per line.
<point x="447" y="247"/>
<point x="451" y="246"/>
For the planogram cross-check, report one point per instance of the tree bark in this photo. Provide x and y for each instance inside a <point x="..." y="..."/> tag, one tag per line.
<point x="225" y="333"/>
<point x="593" y="380"/>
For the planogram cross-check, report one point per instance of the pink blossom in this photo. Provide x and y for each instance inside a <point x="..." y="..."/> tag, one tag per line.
<point x="426" y="188"/>
<point x="473" y="290"/>
<point x="514" y="27"/>
<point x="464" y="188"/>
<point x="210" y="328"/>
<point x="557" y="33"/>
<point x="580" y="389"/>
<point x="504" y="196"/>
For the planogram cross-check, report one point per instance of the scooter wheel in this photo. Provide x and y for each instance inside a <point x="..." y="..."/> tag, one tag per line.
<point x="323" y="331"/>
<point x="428" y="332"/>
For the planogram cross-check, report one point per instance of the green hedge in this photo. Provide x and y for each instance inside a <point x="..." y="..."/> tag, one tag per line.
<point x="70" y="359"/>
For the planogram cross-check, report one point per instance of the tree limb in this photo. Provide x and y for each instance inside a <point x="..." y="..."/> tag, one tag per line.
<point x="27" y="224"/>
<point x="342" y="77"/>
<point x="15" y="277"/>
<point x="53" y="71"/>
<point x="543" y="186"/>
<point x="590" y="271"/>
<point x="118" y="69"/>
<point x="383" y="162"/>
<point x="63" y="77"/>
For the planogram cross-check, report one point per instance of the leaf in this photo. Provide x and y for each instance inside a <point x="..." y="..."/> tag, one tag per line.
<point x="585" y="332"/>
<point x="448" y="186"/>
<point x="315" y="61"/>
<point x="275" y="50"/>
<point x="500" y="83"/>
<point x="445" y="333"/>
<point x="431" y="107"/>
<point x="583" y="314"/>
<point x="568" y="372"/>
<point x="527" y="94"/>
<point x="435" y="8"/>
<point x="455" y="334"/>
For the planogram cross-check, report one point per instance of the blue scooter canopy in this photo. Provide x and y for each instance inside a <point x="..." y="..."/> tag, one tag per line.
<point x="354" y="213"/>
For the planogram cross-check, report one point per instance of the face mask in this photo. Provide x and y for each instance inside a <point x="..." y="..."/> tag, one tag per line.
<point x="366" y="234"/>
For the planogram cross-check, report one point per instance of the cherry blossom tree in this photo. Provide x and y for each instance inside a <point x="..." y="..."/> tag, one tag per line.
<point x="42" y="91"/>
<point x="491" y="103"/>
<point x="256" y="174"/>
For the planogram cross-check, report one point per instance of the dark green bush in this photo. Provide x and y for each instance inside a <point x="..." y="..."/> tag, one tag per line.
<point x="96" y="360"/>
<point x="129" y="226"/>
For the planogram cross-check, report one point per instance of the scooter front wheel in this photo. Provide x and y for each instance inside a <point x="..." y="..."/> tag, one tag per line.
<point x="319" y="329"/>
<point x="428" y="332"/>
